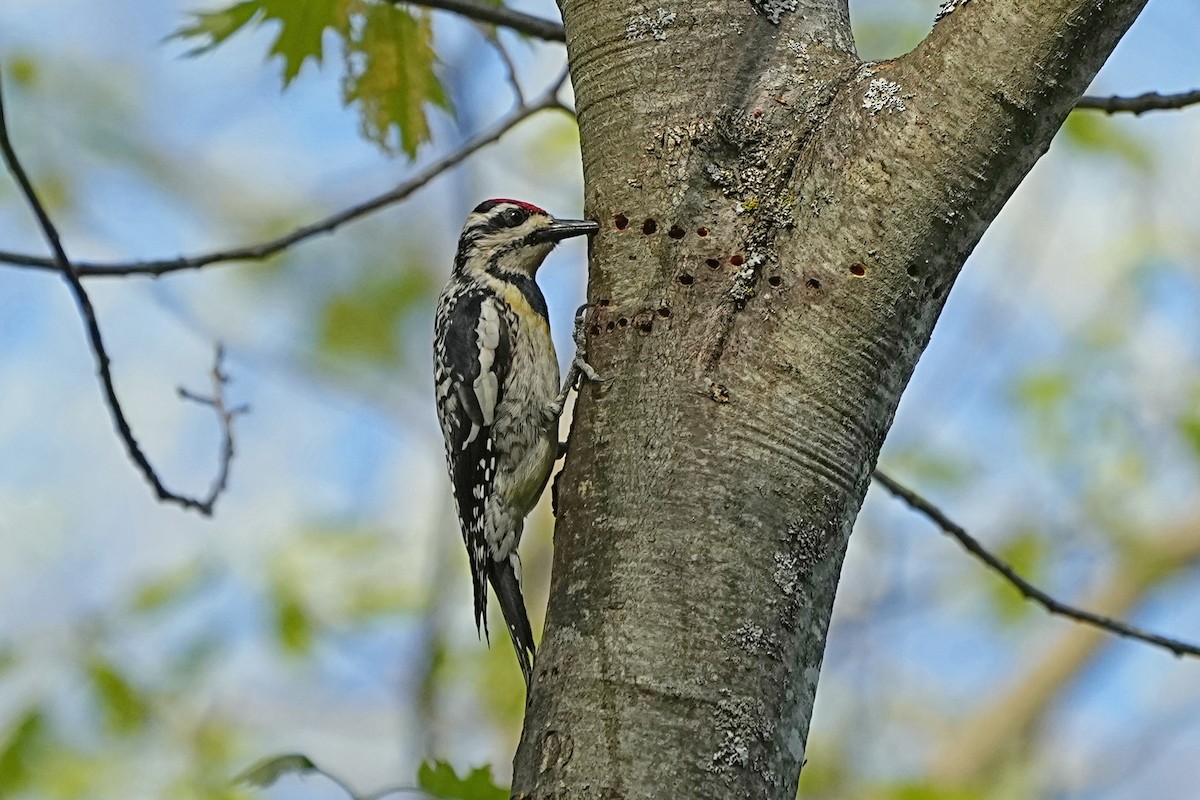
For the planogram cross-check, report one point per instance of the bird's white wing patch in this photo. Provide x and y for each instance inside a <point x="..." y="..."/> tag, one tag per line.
<point x="486" y="386"/>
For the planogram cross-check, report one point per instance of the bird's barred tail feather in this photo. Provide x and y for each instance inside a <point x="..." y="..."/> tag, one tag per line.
<point x="507" y="584"/>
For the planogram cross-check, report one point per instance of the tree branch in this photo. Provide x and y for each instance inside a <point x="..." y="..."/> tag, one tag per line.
<point x="496" y="15"/>
<point x="1040" y="59"/>
<point x="1150" y="101"/>
<point x="264" y="250"/>
<point x="225" y="415"/>
<point x="1028" y="590"/>
<point x="86" y="310"/>
<point x="979" y="742"/>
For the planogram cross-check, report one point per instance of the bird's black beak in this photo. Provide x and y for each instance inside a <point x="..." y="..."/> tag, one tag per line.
<point x="561" y="229"/>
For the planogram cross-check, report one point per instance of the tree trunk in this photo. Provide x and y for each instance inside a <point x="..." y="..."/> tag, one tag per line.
<point x="781" y="226"/>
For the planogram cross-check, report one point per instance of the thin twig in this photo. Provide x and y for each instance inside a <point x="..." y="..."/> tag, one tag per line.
<point x="225" y="415"/>
<point x="264" y="250"/>
<point x="489" y="33"/>
<point x="88" y="312"/>
<point x="537" y="27"/>
<point x="1150" y="101"/>
<point x="1028" y="590"/>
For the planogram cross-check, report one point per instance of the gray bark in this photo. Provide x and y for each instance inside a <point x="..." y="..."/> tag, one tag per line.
<point x="711" y="485"/>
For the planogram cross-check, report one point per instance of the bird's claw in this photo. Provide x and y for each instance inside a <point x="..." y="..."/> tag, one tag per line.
<point x="579" y="365"/>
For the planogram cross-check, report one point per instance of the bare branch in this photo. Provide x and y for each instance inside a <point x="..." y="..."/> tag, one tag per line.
<point x="489" y="33"/>
<point x="497" y="15"/>
<point x="86" y="310"/>
<point x="225" y="415"/>
<point x="980" y="741"/>
<point x="1028" y="590"/>
<point x="1150" y="101"/>
<point x="264" y="250"/>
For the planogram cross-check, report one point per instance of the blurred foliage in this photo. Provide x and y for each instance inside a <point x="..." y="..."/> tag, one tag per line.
<point x="362" y="321"/>
<point x="22" y="71"/>
<point x="265" y="772"/>
<point x="826" y="772"/>
<point x="439" y="779"/>
<point x="558" y="143"/>
<point x="293" y="623"/>
<point x="928" y="468"/>
<point x="387" y="50"/>
<point x="1043" y="393"/>
<point x="8" y="657"/>
<point x="499" y="685"/>
<point x="210" y="749"/>
<point x="335" y="578"/>
<point x="24" y="745"/>
<point x="435" y="779"/>
<point x="1025" y="551"/>
<point x="172" y="587"/>
<point x="926" y="791"/>
<point x="1189" y="424"/>
<point x="1102" y="135"/>
<point x="125" y="709"/>
<point x="889" y="28"/>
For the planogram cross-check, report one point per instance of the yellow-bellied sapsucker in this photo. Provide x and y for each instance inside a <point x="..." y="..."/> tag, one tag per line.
<point x="498" y="396"/>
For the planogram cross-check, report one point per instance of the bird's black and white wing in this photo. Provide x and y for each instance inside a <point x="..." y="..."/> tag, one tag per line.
<point x="471" y="359"/>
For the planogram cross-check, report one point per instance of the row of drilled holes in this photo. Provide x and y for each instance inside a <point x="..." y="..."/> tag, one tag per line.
<point x="650" y="227"/>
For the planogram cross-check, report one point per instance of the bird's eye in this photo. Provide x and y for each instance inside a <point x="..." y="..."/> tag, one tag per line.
<point x="512" y="217"/>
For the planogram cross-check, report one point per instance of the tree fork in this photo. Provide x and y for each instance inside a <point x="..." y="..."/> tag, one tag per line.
<point x="781" y="225"/>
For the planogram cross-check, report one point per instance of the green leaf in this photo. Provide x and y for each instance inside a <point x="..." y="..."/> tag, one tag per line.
<point x="362" y="322"/>
<point x="1044" y="390"/>
<point x="927" y="468"/>
<point x="1189" y="428"/>
<point x="8" y="657"/>
<point x="23" y="71"/>
<point x="1095" y="133"/>
<point x="169" y="588"/>
<point x="125" y="709"/>
<point x="21" y="750"/>
<point x="265" y="772"/>
<point x="827" y="771"/>
<point x="302" y="26"/>
<point x="368" y="602"/>
<point x="214" y="27"/>
<point x="67" y="774"/>
<point x="358" y="326"/>
<point x="929" y="791"/>
<point x="293" y="623"/>
<point x="502" y="688"/>
<point x="1025" y="553"/>
<point x="389" y="57"/>
<point x="439" y="779"/>
<point x="389" y="75"/>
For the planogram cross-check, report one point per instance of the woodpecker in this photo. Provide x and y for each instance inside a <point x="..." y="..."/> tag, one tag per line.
<point x="498" y="396"/>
